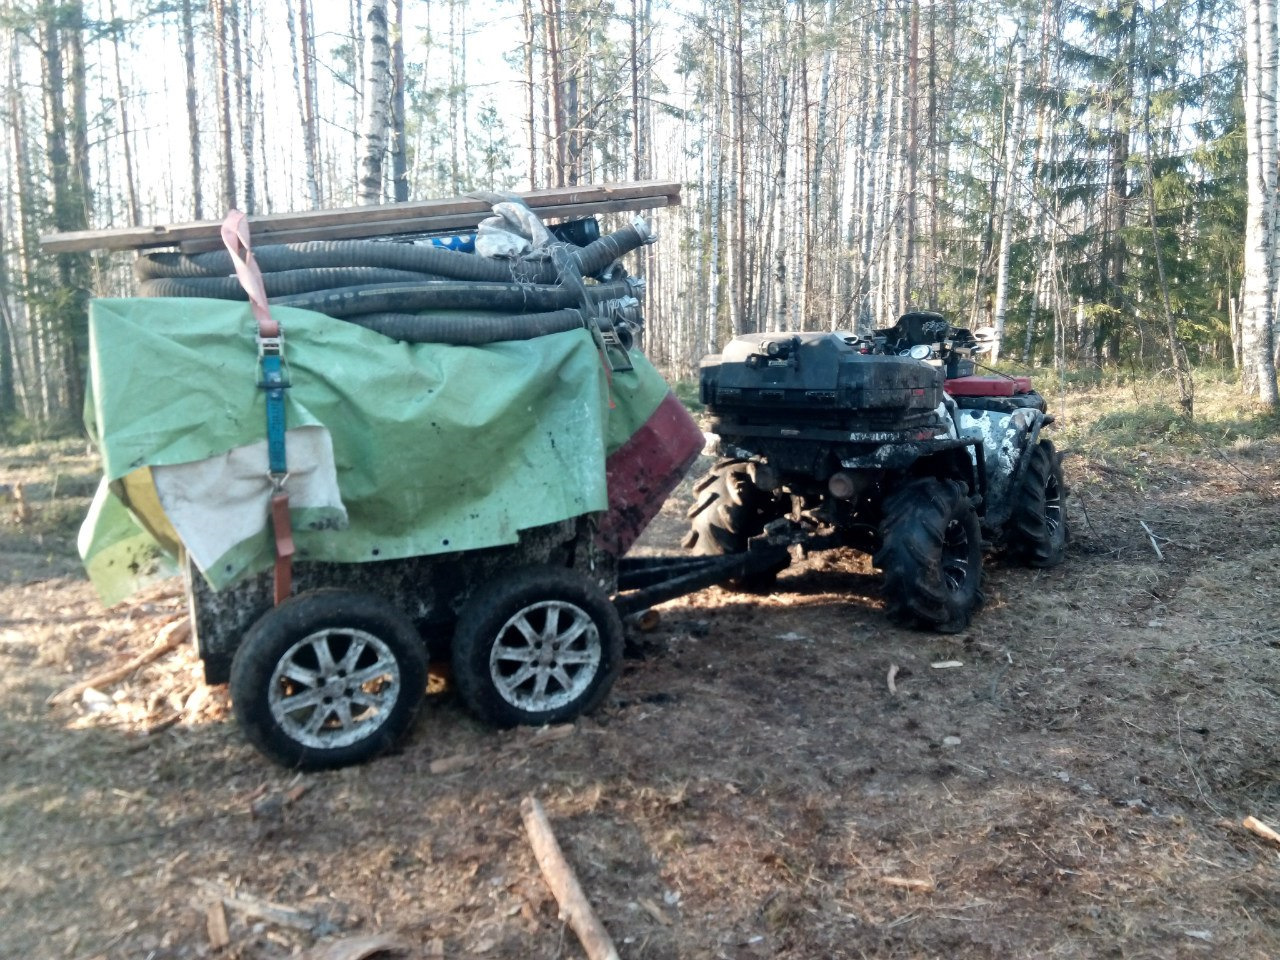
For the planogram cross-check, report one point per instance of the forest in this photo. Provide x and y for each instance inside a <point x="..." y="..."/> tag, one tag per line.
<point x="1096" y="180"/>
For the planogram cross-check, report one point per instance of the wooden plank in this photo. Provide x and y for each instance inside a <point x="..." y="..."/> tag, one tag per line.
<point x="464" y="211"/>
<point x="357" y="231"/>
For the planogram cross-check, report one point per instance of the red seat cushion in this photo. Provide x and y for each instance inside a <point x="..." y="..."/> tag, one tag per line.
<point x="984" y="386"/>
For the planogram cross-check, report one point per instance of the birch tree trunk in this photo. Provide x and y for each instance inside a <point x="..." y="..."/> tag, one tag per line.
<point x="1258" y="374"/>
<point x="399" y="157"/>
<point x="304" y="81"/>
<point x="1012" y="156"/>
<point x="248" y="104"/>
<point x="377" y="89"/>
<point x="910" y="152"/>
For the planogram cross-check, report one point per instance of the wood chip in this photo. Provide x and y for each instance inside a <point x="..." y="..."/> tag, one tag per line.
<point x="946" y="664"/>
<point x="215" y="922"/>
<point x="1261" y="829"/>
<point x="906" y="883"/>
<point x="655" y="911"/>
<point x="551" y="734"/>
<point x="358" y="948"/>
<point x="459" y="761"/>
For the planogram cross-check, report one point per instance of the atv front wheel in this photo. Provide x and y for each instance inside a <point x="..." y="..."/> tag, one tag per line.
<point x="931" y="555"/>
<point x="1038" y="524"/>
<point x="729" y="510"/>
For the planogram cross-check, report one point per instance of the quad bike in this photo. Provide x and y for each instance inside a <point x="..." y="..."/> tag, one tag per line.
<point x="888" y="444"/>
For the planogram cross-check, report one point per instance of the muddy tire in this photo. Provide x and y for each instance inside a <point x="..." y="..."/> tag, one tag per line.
<point x="327" y="679"/>
<point x="728" y="510"/>
<point x="931" y="555"/>
<point x="1037" y="528"/>
<point x="541" y="645"/>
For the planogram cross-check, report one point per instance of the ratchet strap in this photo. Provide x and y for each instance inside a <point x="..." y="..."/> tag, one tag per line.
<point x="274" y="380"/>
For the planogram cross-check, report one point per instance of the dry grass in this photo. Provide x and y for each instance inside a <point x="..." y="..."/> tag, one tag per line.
<point x="751" y="789"/>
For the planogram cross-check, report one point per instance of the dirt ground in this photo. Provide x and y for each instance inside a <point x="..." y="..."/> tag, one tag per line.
<point x="1073" y="786"/>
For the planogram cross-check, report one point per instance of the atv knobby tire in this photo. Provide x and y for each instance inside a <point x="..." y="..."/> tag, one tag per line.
<point x="931" y="555"/>
<point x="728" y="511"/>
<point x="1038" y="524"/>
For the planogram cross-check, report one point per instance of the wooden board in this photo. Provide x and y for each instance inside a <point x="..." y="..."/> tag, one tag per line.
<point x="375" y="220"/>
<point x="434" y="223"/>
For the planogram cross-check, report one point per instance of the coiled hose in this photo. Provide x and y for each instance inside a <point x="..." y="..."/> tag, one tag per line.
<point x="381" y="285"/>
<point x="463" y="329"/>
<point x="277" y="258"/>
<point x="283" y="284"/>
<point x="447" y="295"/>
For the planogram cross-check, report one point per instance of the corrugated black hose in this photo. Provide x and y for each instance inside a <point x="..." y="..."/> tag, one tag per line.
<point x="383" y="284"/>
<point x="446" y="295"/>
<point x="275" y="258"/>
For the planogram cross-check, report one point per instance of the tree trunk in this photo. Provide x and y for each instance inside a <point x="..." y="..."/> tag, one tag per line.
<point x="399" y="158"/>
<point x="526" y="10"/>
<point x="225" y="129"/>
<point x="1259" y="372"/>
<point x="377" y="54"/>
<point x="909" y="187"/>
<point x="126" y="136"/>
<point x="554" y="84"/>
<point x="1012" y="158"/>
<point x="304" y="82"/>
<point x="193" y="110"/>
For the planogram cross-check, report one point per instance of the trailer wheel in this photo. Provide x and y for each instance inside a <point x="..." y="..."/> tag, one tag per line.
<point x="328" y="678"/>
<point x="931" y="555"/>
<point x="541" y="645"/>
<point x="729" y="510"/>
<point x="1038" y="524"/>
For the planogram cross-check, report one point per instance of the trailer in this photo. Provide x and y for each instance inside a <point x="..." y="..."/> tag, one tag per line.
<point x="446" y="457"/>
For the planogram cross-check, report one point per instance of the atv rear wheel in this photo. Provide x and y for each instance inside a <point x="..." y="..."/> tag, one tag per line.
<point x="1038" y="524"/>
<point x="931" y="555"/>
<point x="729" y="510"/>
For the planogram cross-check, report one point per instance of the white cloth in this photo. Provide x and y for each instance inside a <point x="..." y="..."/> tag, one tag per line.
<point x="217" y="503"/>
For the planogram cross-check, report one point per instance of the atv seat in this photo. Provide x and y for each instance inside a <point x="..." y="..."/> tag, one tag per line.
<point x="980" y="386"/>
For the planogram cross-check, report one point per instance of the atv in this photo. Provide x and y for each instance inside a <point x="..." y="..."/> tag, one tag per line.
<point x="889" y="444"/>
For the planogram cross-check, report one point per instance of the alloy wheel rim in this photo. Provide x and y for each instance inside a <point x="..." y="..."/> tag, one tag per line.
<point x="545" y="656"/>
<point x="334" y="687"/>
<point x="955" y="556"/>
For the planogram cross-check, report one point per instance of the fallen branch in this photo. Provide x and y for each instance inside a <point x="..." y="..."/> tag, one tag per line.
<point x="257" y="908"/>
<point x="170" y="636"/>
<point x="906" y="883"/>
<point x="358" y="948"/>
<point x="1154" y="546"/>
<point x="1261" y="829"/>
<point x="564" y="884"/>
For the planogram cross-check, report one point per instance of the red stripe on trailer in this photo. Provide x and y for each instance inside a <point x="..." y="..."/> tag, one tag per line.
<point x="642" y="473"/>
<point x="978" y="386"/>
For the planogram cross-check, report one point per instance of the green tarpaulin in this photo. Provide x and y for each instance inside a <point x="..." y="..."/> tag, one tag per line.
<point x="400" y="449"/>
